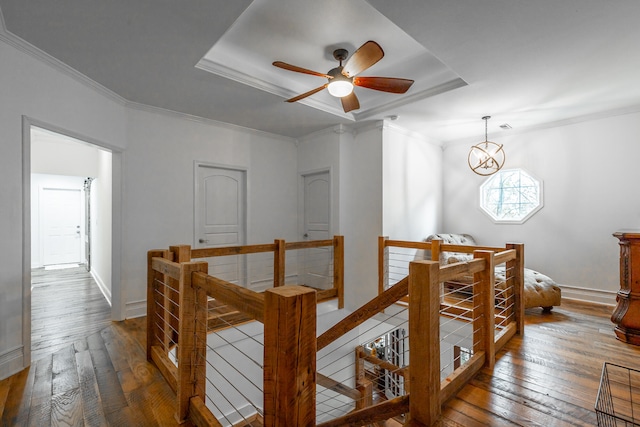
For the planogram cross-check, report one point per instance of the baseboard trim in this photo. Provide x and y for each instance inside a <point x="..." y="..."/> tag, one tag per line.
<point x="11" y="362"/>
<point x="136" y="309"/>
<point x="597" y="296"/>
<point x="103" y="288"/>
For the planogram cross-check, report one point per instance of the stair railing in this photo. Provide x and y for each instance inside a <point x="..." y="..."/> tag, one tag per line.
<point x="290" y="344"/>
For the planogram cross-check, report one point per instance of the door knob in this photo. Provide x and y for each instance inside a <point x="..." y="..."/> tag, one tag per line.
<point x="203" y="241"/>
<point x="305" y="235"/>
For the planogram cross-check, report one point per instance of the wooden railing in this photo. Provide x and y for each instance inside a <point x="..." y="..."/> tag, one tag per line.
<point x="288" y="314"/>
<point x="394" y="257"/>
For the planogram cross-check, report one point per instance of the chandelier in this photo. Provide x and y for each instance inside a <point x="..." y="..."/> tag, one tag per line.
<point x="487" y="157"/>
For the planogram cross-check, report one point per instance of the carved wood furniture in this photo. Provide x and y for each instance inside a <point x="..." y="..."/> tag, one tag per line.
<point x="626" y="315"/>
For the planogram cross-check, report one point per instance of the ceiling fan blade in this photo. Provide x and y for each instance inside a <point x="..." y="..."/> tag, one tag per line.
<point x="384" y="84"/>
<point x="297" y="69"/>
<point x="350" y="102"/>
<point x="311" y="92"/>
<point x="363" y="58"/>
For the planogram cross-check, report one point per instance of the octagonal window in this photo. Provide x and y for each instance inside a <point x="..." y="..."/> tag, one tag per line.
<point x="511" y="196"/>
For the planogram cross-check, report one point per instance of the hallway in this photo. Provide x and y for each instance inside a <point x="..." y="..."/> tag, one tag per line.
<point x="66" y="305"/>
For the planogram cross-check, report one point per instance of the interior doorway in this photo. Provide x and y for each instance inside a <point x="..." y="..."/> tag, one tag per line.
<point x="61" y="217"/>
<point x="220" y="217"/>
<point x="315" y="263"/>
<point x="70" y="252"/>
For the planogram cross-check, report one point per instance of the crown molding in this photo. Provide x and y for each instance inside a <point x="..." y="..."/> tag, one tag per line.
<point x="240" y="77"/>
<point x="210" y="122"/>
<point x="338" y="129"/>
<point x="3" y="27"/>
<point x="632" y="109"/>
<point x="40" y="55"/>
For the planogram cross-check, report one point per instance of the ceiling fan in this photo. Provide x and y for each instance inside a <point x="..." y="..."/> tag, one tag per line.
<point x="342" y="79"/>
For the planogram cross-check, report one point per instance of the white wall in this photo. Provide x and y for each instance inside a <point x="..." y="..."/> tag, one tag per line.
<point x="153" y="181"/>
<point x="318" y="152"/>
<point x="101" y="223"/>
<point x="361" y="212"/>
<point x="412" y="185"/>
<point x="56" y="154"/>
<point x="385" y="181"/>
<point x="33" y="88"/>
<point x="159" y="187"/>
<point x="589" y="172"/>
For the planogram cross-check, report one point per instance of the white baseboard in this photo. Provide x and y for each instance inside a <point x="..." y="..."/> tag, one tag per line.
<point x="598" y="296"/>
<point x="103" y="288"/>
<point x="11" y="362"/>
<point x="136" y="309"/>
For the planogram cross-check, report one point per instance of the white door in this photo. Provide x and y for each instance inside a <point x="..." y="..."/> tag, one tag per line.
<point x="60" y="216"/>
<point x="220" y="218"/>
<point x="316" y="265"/>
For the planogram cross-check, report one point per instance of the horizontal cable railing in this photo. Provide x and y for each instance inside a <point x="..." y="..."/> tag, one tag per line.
<point x="238" y="357"/>
<point x="394" y="257"/>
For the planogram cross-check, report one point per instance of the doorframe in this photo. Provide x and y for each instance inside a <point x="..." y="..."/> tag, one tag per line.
<point x="116" y="228"/>
<point x="196" y="192"/>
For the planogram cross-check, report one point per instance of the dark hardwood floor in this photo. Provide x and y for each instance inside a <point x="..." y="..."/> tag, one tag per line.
<point x="66" y="305"/>
<point x="548" y="377"/>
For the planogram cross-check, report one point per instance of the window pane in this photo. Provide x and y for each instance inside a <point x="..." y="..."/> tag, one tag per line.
<point x="511" y="195"/>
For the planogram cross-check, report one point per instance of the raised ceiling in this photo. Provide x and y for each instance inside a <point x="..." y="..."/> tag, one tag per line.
<point x="526" y="63"/>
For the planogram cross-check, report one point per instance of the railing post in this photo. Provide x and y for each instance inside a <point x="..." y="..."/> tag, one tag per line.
<point x="363" y="385"/>
<point x="338" y="268"/>
<point x="179" y="254"/>
<point x="424" y="336"/>
<point x="279" y="260"/>
<point x="383" y="264"/>
<point x="517" y="266"/>
<point x="201" y="325"/>
<point x="435" y="249"/>
<point x="486" y="282"/>
<point x="290" y="357"/>
<point x="154" y="329"/>
<point x="193" y="313"/>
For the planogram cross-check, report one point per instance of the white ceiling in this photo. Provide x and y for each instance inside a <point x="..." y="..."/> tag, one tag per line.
<point x="525" y="63"/>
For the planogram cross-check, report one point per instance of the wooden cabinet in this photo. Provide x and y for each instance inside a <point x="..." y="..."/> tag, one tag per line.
<point x="626" y="315"/>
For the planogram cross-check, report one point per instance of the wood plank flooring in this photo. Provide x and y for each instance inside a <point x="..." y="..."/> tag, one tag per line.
<point x="66" y="305"/>
<point x="549" y="377"/>
<point x="103" y="379"/>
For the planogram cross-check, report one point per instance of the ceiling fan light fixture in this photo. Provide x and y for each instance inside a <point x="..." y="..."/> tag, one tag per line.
<point x="340" y="88"/>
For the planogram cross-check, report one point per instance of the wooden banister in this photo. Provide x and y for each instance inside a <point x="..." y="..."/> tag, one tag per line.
<point x="373" y="307"/>
<point x="381" y="412"/>
<point x="290" y="343"/>
<point x="245" y="300"/>
<point x="232" y="250"/>
<point x="307" y="244"/>
<point x="338" y="268"/>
